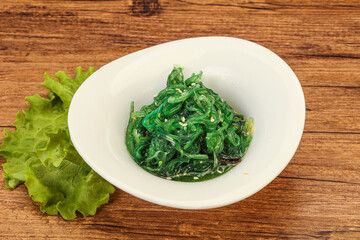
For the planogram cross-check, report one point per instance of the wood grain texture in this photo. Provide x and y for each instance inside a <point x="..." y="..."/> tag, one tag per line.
<point x="316" y="197"/>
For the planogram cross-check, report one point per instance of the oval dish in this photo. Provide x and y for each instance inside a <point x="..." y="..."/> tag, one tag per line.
<point x="251" y="78"/>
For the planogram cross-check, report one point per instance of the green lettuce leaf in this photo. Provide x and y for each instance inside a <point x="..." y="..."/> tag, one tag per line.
<point x="41" y="154"/>
<point x="67" y="188"/>
<point x="58" y="148"/>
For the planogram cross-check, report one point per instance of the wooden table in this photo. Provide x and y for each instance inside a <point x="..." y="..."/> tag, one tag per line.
<point x="316" y="196"/>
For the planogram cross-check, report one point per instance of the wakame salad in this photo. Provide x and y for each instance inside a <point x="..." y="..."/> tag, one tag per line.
<point x="188" y="133"/>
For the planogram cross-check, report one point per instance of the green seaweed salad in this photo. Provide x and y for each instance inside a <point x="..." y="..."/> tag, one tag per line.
<point x="188" y="133"/>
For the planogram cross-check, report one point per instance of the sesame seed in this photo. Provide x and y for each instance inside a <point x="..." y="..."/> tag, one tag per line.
<point x="178" y="90"/>
<point x="201" y="161"/>
<point x="183" y="119"/>
<point x="168" y="178"/>
<point x="252" y="130"/>
<point x="212" y="119"/>
<point x="195" y="178"/>
<point x="193" y="84"/>
<point x="165" y="120"/>
<point x="155" y="95"/>
<point x="219" y="171"/>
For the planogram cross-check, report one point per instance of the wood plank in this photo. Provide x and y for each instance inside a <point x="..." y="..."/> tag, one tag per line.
<point x="326" y="157"/>
<point x="332" y="109"/>
<point x="296" y="214"/>
<point x="305" y="201"/>
<point x="128" y="217"/>
<point x="311" y="71"/>
<point x="110" y="27"/>
<point x="329" y="109"/>
<point x="325" y="72"/>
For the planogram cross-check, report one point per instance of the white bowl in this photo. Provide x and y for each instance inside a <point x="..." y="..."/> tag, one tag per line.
<point x="251" y="78"/>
